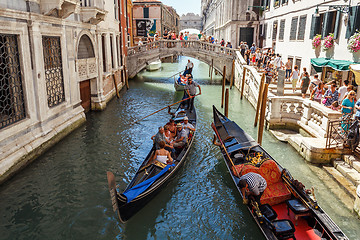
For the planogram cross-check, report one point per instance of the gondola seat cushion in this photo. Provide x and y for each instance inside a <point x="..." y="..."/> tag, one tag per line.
<point x="276" y="191"/>
<point x="284" y="229"/>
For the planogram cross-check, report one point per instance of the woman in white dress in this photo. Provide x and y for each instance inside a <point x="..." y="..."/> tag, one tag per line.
<point x="163" y="155"/>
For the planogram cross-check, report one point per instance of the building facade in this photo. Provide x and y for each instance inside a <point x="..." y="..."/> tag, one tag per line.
<point x="58" y="59"/>
<point x="152" y="16"/>
<point x="190" y="20"/>
<point x="231" y="20"/>
<point x="290" y="27"/>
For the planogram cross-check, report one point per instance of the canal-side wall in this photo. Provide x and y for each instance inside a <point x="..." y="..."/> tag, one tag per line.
<point x="54" y="64"/>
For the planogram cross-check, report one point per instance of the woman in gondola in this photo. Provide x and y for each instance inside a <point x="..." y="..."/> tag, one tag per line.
<point x="162" y="155"/>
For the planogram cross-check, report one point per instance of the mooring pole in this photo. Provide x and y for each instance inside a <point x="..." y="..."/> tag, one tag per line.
<point x="243" y="83"/>
<point x="261" y="94"/>
<point x="116" y="87"/>
<point x="262" y="114"/>
<point x="126" y="78"/>
<point x="227" y="102"/>
<point x="223" y="87"/>
<point x="232" y="74"/>
<point x="212" y="69"/>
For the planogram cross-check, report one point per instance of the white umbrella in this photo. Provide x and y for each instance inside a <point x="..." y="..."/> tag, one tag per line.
<point x="191" y="31"/>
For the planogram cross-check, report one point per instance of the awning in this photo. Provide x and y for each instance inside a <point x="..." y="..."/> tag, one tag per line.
<point x="339" y="65"/>
<point x="355" y="68"/>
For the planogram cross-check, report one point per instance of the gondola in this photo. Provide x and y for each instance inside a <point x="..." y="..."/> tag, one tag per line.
<point x="178" y="84"/>
<point x="150" y="178"/>
<point x="287" y="209"/>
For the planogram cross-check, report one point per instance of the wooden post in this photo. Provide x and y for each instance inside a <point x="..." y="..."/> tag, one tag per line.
<point x="323" y="71"/>
<point x="261" y="94"/>
<point x="243" y="83"/>
<point x="212" y="68"/>
<point x="262" y="114"/>
<point x="223" y="87"/>
<point x="116" y="88"/>
<point x="232" y="74"/>
<point x="126" y="78"/>
<point x="227" y="102"/>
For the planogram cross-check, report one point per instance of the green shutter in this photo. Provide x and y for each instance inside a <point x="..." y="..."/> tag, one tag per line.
<point x="325" y="25"/>
<point x="350" y="29"/>
<point x="337" y="24"/>
<point x="315" y="26"/>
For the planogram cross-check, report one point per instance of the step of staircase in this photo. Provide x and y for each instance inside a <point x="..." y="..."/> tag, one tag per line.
<point x="348" y="171"/>
<point x="342" y="181"/>
<point x="352" y="161"/>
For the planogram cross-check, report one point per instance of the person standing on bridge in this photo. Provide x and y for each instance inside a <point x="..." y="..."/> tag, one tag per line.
<point x="190" y="89"/>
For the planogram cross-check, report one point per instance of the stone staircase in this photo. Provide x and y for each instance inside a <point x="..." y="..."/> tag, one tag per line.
<point x="287" y="89"/>
<point x="346" y="172"/>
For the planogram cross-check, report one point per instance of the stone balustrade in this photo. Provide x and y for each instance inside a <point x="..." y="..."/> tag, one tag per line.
<point x="309" y="115"/>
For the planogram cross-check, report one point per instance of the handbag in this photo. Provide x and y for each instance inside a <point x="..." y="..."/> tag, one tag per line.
<point x="324" y="101"/>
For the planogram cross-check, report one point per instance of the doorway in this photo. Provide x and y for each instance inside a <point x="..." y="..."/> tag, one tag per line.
<point x="247" y="35"/>
<point x="85" y="95"/>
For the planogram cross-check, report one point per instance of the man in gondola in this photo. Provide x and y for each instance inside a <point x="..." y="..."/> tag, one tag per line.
<point x="181" y="136"/>
<point x="160" y="136"/>
<point x="255" y="184"/>
<point x="190" y="89"/>
<point x="189" y="67"/>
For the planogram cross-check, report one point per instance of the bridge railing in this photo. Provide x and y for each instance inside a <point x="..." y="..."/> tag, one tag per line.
<point x="181" y="44"/>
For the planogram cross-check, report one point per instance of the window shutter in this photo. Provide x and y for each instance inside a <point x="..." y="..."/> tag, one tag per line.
<point x="315" y="26"/>
<point x="293" y="28"/>
<point x="302" y="25"/>
<point x="282" y="29"/>
<point x="337" y="24"/>
<point x="275" y="26"/>
<point x="265" y="29"/>
<point x="146" y="12"/>
<point x="350" y="29"/>
<point x="325" y="27"/>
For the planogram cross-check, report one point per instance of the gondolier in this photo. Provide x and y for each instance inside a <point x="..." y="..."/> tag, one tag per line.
<point x="189" y="67"/>
<point x="190" y="89"/>
<point x="256" y="185"/>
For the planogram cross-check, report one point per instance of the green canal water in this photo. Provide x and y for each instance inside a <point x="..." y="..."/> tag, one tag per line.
<point x="64" y="193"/>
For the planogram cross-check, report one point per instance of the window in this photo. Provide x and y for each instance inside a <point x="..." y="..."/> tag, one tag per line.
<point x="326" y="23"/>
<point x="112" y="52"/>
<point x="274" y="30"/>
<point x="301" y="30"/>
<point x="116" y="9"/>
<point x="353" y="21"/>
<point x="12" y="106"/>
<point x="146" y="12"/>
<point x="293" y="28"/>
<point x="265" y="29"/>
<point x="53" y="70"/>
<point x="103" y="52"/>
<point x="282" y="29"/>
<point x="298" y="62"/>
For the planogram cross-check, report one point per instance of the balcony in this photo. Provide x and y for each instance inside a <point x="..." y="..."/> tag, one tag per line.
<point x="59" y="8"/>
<point x="92" y="11"/>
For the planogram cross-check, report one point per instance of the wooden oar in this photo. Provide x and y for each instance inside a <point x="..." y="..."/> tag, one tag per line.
<point x="223" y="146"/>
<point x="165" y="108"/>
<point x="176" y="74"/>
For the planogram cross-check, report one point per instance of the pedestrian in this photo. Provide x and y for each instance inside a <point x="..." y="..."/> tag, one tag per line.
<point x="140" y="43"/>
<point x="331" y="95"/>
<point x="357" y="107"/>
<point x="288" y="67"/>
<point x="247" y="57"/>
<point x="294" y="77"/>
<point x="278" y="62"/>
<point x="242" y="49"/>
<point x="253" y="48"/>
<point x="269" y="73"/>
<point x="257" y="58"/>
<point x="190" y="89"/>
<point x="256" y="185"/>
<point x="314" y="83"/>
<point x="305" y="81"/>
<point x="317" y="93"/>
<point x="343" y="90"/>
<point x="347" y="109"/>
<point x="222" y="42"/>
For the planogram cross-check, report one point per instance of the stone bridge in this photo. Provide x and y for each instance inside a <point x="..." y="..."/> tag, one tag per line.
<point x="139" y="56"/>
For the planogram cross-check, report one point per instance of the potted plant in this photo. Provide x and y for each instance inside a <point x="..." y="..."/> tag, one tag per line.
<point x="316" y="42"/>
<point x="354" y="43"/>
<point x="328" y="42"/>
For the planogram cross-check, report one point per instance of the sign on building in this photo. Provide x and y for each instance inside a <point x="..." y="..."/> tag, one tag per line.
<point x="145" y="26"/>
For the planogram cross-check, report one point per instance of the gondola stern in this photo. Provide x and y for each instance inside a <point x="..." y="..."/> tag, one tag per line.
<point x="116" y="203"/>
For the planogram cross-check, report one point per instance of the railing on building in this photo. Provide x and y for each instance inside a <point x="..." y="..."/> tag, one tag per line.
<point x="92" y="11"/>
<point x="87" y="68"/>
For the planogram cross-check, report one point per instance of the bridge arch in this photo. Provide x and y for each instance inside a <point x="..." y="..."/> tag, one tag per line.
<point x="139" y="56"/>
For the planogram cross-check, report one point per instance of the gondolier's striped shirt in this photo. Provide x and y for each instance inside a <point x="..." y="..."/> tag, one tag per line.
<point x="256" y="182"/>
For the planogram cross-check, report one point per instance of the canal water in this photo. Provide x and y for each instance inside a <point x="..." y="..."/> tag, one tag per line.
<point x="64" y="193"/>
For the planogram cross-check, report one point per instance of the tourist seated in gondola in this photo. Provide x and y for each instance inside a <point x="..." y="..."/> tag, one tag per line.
<point x="255" y="184"/>
<point x="188" y="127"/>
<point x="168" y="135"/>
<point x="181" y="136"/>
<point x="172" y="127"/>
<point x="160" y="136"/>
<point x="162" y="155"/>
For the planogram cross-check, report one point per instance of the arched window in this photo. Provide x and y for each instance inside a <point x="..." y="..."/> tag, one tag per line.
<point x="86" y="49"/>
